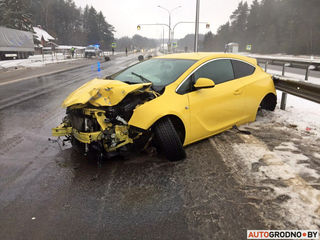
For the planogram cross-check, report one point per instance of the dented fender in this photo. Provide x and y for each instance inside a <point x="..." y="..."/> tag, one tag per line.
<point x="145" y="115"/>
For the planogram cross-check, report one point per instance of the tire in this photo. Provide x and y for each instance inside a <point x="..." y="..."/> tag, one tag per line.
<point x="269" y="102"/>
<point x="167" y="140"/>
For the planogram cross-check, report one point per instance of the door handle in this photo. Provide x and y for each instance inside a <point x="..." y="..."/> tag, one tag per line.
<point x="237" y="92"/>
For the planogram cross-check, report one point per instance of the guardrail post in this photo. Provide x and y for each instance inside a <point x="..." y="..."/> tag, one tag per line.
<point x="307" y="73"/>
<point x="283" y="101"/>
<point x="283" y="69"/>
<point x="266" y="66"/>
<point x="284" y="95"/>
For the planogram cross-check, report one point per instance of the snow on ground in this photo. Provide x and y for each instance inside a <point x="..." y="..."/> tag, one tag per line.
<point x="300" y="112"/>
<point x="36" y="61"/>
<point x="283" y="164"/>
<point x="285" y="57"/>
<point x="292" y="159"/>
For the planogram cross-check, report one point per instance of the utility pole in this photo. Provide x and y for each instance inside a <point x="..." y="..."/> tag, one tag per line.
<point x="196" y="34"/>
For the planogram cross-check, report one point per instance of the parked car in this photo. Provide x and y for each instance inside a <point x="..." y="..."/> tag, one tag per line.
<point x="168" y="102"/>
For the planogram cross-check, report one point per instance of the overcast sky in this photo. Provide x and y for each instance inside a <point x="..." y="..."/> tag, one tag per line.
<point x="125" y="15"/>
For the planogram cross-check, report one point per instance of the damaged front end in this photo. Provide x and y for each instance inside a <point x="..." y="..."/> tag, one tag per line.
<point x="98" y="113"/>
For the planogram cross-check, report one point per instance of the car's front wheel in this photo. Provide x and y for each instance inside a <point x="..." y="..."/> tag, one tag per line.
<point x="168" y="141"/>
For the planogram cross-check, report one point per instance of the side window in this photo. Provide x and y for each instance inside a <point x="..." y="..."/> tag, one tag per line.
<point x="219" y="71"/>
<point x="242" y="69"/>
<point x="186" y="86"/>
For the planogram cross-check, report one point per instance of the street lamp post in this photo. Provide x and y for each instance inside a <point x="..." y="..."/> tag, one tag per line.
<point x="169" y="12"/>
<point x="196" y="34"/>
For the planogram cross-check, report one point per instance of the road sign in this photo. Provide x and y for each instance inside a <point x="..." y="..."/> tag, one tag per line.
<point x="138" y="27"/>
<point x="248" y="48"/>
<point x="113" y="45"/>
<point x="174" y="44"/>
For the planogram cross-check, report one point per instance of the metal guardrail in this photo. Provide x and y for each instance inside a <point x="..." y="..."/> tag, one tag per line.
<point x="301" y="89"/>
<point x="297" y="63"/>
<point x="293" y="86"/>
<point x="288" y="62"/>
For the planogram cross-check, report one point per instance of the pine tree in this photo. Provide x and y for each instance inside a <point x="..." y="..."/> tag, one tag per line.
<point x="208" y="41"/>
<point x="253" y="25"/>
<point x="15" y="14"/>
<point x="273" y="26"/>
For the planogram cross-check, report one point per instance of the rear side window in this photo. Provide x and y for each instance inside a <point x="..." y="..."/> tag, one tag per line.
<point x="219" y="71"/>
<point x="242" y="69"/>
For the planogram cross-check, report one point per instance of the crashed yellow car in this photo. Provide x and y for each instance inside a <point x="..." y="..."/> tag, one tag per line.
<point x="167" y="102"/>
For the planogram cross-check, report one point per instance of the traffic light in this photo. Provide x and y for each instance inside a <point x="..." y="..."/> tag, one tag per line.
<point x="208" y="25"/>
<point x="138" y="27"/>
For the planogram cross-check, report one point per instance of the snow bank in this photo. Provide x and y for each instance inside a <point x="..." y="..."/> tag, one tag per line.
<point x="35" y="61"/>
<point x="285" y="57"/>
<point x="300" y="112"/>
<point x="287" y="162"/>
<point x="303" y="201"/>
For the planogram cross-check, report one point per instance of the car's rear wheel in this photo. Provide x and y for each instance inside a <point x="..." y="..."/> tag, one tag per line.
<point x="269" y="102"/>
<point x="168" y="141"/>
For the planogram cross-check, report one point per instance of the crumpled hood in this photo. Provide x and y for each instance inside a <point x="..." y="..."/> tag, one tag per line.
<point x="101" y="92"/>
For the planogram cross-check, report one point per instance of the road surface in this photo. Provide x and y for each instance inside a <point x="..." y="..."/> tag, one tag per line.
<point x="49" y="191"/>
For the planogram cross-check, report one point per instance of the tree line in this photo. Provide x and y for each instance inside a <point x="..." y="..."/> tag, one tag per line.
<point x="136" y="42"/>
<point x="271" y="26"/>
<point x="68" y="23"/>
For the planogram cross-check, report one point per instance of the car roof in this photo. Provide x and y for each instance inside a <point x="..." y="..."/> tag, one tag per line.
<point x="210" y="55"/>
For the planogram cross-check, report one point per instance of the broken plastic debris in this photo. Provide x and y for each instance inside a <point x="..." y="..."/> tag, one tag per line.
<point x="308" y="129"/>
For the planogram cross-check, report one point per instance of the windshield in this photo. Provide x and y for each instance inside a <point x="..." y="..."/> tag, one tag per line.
<point x="160" y="72"/>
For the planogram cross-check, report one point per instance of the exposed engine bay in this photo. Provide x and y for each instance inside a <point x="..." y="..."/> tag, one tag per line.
<point x="104" y="127"/>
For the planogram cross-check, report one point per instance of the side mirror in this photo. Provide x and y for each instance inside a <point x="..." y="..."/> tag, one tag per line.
<point x="204" y="83"/>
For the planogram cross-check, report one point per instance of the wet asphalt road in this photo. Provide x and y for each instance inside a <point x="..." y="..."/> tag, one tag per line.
<point x="49" y="191"/>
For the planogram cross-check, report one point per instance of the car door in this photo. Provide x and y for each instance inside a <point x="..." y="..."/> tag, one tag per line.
<point x="213" y="110"/>
<point x="244" y="72"/>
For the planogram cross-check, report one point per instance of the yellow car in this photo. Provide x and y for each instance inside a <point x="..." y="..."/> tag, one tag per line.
<point x="167" y="102"/>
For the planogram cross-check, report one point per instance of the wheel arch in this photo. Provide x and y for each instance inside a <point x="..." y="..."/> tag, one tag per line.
<point x="178" y="125"/>
<point x="269" y="101"/>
